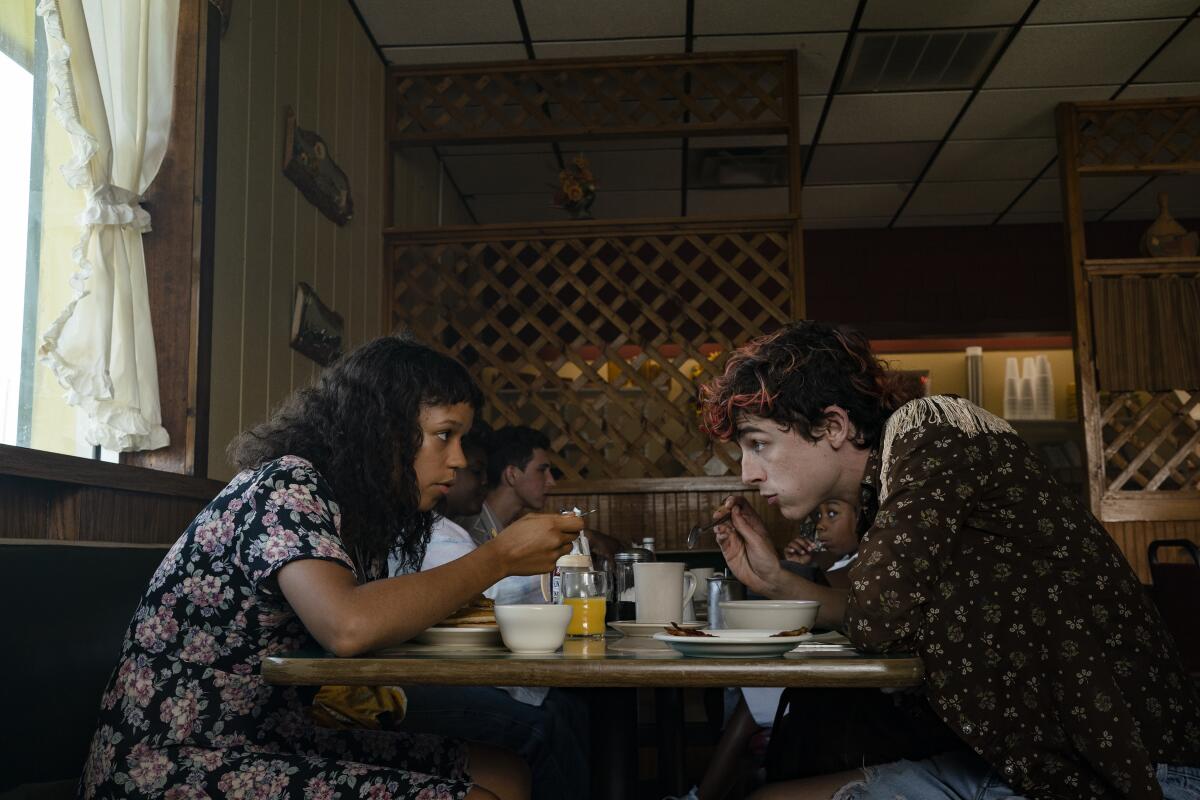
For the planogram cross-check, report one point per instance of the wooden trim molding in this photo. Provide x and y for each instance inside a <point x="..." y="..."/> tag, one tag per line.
<point x="178" y="272"/>
<point x="22" y="462"/>
<point x="730" y="483"/>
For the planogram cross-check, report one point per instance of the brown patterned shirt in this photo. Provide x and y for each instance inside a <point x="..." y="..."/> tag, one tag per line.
<point x="1041" y="648"/>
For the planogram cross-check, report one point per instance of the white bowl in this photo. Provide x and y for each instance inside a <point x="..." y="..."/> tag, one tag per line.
<point x="533" y="628"/>
<point x="769" y="615"/>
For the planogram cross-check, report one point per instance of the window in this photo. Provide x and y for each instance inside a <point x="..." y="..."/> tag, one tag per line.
<point x="38" y="229"/>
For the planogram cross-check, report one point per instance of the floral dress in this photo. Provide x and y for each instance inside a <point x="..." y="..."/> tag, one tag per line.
<point x="187" y="713"/>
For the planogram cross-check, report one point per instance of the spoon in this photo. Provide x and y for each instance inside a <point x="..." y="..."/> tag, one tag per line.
<point x="693" y="537"/>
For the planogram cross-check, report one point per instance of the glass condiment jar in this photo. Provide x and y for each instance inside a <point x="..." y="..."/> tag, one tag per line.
<point x="623" y="594"/>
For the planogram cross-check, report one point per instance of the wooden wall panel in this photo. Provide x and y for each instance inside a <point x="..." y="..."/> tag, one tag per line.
<point x="307" y="106"/>
<point x="284" y="199"/>
<point x="229" y="240"/>
<point x="35" y="509"/>
<point x="311" y="55"/>
<point x="665" y="509"/>
<point x="1135" y="537"/>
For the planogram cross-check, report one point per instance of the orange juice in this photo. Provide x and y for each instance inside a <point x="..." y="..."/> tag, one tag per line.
<point x="587" y="616"/>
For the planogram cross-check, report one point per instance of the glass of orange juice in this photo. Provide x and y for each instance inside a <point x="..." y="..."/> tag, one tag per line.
<point x="587" y="594"/>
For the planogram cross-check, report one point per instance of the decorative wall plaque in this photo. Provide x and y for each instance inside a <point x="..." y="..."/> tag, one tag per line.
<point x="308" y="164"/>
<point x="316" y="328"/>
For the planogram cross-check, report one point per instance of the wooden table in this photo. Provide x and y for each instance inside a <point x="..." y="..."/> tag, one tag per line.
<point x="612" y="669"/>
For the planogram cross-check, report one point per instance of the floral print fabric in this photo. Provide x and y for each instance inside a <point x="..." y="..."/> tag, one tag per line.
<point x="187" y="714"/>
<point x="1041" y="649"/>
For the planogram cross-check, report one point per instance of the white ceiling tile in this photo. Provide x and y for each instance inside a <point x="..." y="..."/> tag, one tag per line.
<point x="624" y="170"/>
<point x="943" y="220"/>
<point x="897" y="117"/>
<point x="1104" y="192"/>
<point x="489" y="174"/>
<point x="492" y="208"/>
<point x="964" y="197"/>
<point x="497" y="150"/>
<point x="1031" y="218"/>
<point x="1079" y="55"/>
<point x="770" y="140"/>
<point x="433" y="22"/>
<point x="811" y="107"/>
<point x="596" y="145"/>
<point x="991" y="159"/>
<point x="817" y="54"/>
<point x="879" y="162"/>
<point x="1099" y="194"/>
<point x="940" y="13"/>
<point x="1020" y="113"/>
<point x="622" y="205"/>
<point x="1179" y="61"/>
<point x="1096" y="10"/>
<point x="737" y="202"/>
<point x="1043" y="197"/>
<point x="456" y="54"/>
<point x="842" y="202"/>
<point x="1160" y="90"/>
<point x="535" y="207"/>
<point x="612" y="19"/>
<point x="772" y="16"/>
<point x="835" y="223"/>
<point x="608" y="47"/>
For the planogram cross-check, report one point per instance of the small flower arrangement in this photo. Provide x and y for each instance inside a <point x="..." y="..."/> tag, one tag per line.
<point x="576" y="189"/>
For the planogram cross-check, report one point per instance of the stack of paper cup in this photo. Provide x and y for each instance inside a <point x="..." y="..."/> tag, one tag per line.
<point x="1043" y="389"/>
<point x="1026" y="406"/>
<point x="1012" y="388"/>
<point x="975" y="375"/>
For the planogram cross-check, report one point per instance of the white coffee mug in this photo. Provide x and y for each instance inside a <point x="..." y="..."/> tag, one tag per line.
<point x="660" y="589"/>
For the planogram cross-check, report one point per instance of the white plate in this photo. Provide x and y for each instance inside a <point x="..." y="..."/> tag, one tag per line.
<point x="465" y="636"/>
<point x="732" y="643"/>
<point x="647" y="629"/>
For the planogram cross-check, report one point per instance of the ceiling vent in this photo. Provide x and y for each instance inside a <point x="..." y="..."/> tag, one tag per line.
<point x="909" y="61"/>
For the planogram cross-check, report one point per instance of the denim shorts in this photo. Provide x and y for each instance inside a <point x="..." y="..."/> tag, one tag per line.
<point x="964" y="776"/>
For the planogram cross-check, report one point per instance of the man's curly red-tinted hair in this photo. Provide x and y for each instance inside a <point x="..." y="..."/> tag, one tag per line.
<point x="792" y="375"/>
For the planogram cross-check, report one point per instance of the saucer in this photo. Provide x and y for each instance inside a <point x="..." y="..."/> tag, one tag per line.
<point x="648" y="629"/>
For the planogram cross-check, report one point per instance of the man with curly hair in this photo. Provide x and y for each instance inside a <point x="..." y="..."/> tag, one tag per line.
<point x="1042" y="651"/>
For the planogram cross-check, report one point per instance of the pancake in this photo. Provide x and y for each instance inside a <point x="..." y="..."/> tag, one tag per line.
<point x="479" y="612"/>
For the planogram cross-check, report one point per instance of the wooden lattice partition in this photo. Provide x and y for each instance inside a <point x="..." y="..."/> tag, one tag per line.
<point x="598" y="334"/>
<point x="1137" y="324"/>
<point x="680" y="95"/>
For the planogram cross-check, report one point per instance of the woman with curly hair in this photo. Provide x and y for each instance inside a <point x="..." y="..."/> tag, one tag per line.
<point x="1043" y="654"/>
<point x="293" y="555"/>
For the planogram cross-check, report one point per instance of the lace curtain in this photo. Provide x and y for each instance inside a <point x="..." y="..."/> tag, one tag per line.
<point x="112" y="65"/>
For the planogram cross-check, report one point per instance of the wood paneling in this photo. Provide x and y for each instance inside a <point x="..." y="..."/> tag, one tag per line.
<point x="64" y="498"/>
<point x="177" y="284"/>
<point x="665" y="508"/>
<point x="311" y="55"/>
<point x="1135" y="537"/>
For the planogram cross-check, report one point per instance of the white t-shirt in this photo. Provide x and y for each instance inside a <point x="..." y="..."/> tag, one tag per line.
<point x="449" y="541"/>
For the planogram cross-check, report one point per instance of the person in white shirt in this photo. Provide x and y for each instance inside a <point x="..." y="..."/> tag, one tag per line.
<point x="541" y="725"/>
<point x="519" y="475"/>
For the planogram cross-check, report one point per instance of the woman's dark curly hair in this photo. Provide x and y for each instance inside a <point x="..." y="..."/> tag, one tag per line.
<point x="792" y="375"/>
<point x="359" y="427"/>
